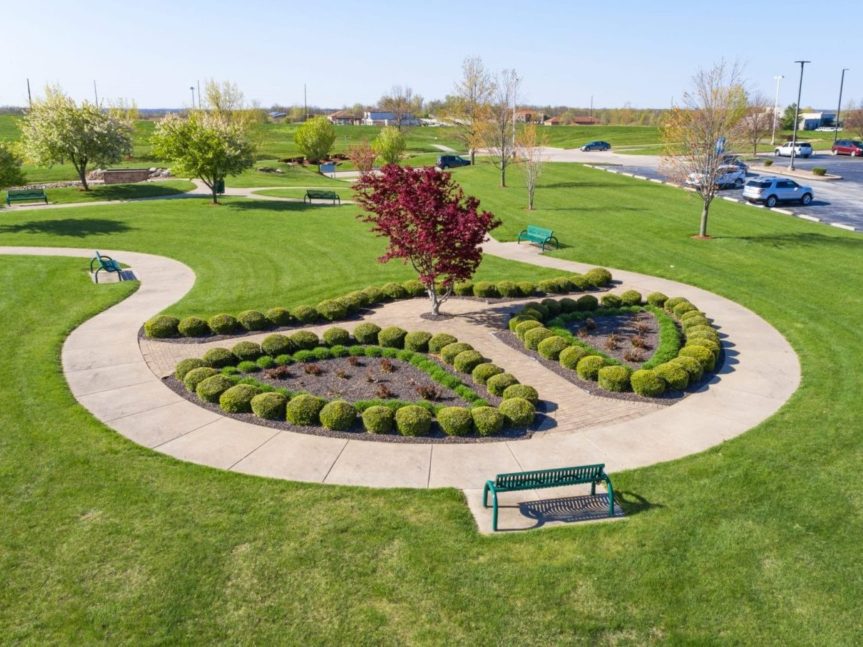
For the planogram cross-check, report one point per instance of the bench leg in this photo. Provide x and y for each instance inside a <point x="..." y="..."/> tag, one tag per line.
<point x="485" y="495"/>
<point x="96" y="275"/>
<point x="610" y="497"/>
<point x="593" y="489"/>
<point x="494" y="514"/>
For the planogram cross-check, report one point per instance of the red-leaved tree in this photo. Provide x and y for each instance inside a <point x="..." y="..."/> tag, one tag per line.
<point x="429" y="222"/>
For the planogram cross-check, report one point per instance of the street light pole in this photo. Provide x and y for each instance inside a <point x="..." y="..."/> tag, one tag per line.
<point x="192" y="89"/>
<point x="797" y="113"/>
<point x="839" y="105"/>
<point x="775" y="109"/>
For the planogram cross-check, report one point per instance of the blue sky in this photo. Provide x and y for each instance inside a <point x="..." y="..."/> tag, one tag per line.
<point x="638" y="52"/>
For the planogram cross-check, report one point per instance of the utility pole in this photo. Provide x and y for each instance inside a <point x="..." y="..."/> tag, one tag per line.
<point x="192" y="88"/>
<point x="797" y="113"/>
<point x="95" y="93"/>
<point x="305" y="104"/>
<point x="198" y="83"/>
<point x="29" y="96"/>
<point x="839" y="106"/>
<point x="778" y="78"/>
<point x="591" y="105"/>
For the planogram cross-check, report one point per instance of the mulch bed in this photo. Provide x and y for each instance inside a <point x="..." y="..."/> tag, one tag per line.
<point x="625" y="329"/>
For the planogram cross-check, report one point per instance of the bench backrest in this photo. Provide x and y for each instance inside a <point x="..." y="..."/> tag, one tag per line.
<point x="550" y="477"/>
<point x="540" y="232"/>
<point x="26" y="194"/>
<point x="312" y="193"/>
<point x="106" y="263"/>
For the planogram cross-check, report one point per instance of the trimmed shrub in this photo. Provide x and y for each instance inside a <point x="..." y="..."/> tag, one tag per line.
<point x="367" y="333"/>
<point x="418" y="341"/>
<point x="265" y="361"/>
<point x="598" y="277"/>
<point x="378" y="420"/>
<point x="552" y="347"/>
<point x="305" y="340"/>
<point x="353" y="301"/>
<point x="304" y="410"/>
<point x="253" y="320"/>
<point x="238" y="399"/>
<point x="247" y="351"/>
<point x="332" y="309"/>
<point x="674" y="375"/>
<point x="186" y="365"/>
<point x="223" y="324"/>
<point x="338" y="415"/>
<point x="455" y="421"/>
<point x="438" y="341"/>
<point x="703" y="355"/>
<point x="692" y="319"/>
<point x="548" y="286"/>
<point x="193" y="327"/>
<point x="710" y="344"/>
<point x="374" y="295"/>
<point x="508" y="289"/>
<point x="517" y="319"/>
<point x="322" y="353"/>
<point x="682" y="308"/>
<point x="526" y="288"/>
<point x="485" y="290"/>
<point x="195" y="376"/>
<point x="279" y="317"/>
<point x="219" y="357"/>
<point x="230" y="370"/>
<point x="162" y="326"/>
<point x="482" y="372"/>
<point x="413" y="420"/>
<point x="497" y="384"/>
<point x="467" y="360"/>
<point x="524" y="327"/>
<point x="631" y="298"/>
<point x="564" y="284"/>
<point x="587" y="302"/>
<point x="339" y="351"/>
<point x="414" y="288"/>
<point x="463" y="289"/>
<point x="580" y="281"/>
<point x="276" y="345"/>
<point x="449" y="352"/>
<point x="568" y="305"/>
<point x="690" y="365"/>
<point x="569" y="357"/>
<point x="211" y="388"/>
<point x="553" y="307"/>
<point x="269" y="406"/>
<point x="673" y="301"/>
<point x="487" y="421"/>
<point x="392" y="337"/>
<point x="533" y="337"/>
<point x="394" y="291"/>
<point x="648" y="383"/>
<point x="614" y="378"/>
<point x="521" y="391"/>
<point x="611" y="301"/>
<point x="701" y="330"/>
<point x="336" y="336"/>
<point x="686" y="316"/>
<point x="657" y="299"/>
<point x="541" y="310"/>
<point x="247" y="366"/>
<point x="588" y="367"/>
<point x="517" y="412"/>
<point x="305" y="314"/>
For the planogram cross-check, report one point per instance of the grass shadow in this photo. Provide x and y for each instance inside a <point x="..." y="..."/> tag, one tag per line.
<point x="73" y="227"/>
<point x="802" y="239"/>
<point x="275" y="205"/>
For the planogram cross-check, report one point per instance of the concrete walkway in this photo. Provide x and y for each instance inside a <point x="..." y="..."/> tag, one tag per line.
<point x="112" y="375"/>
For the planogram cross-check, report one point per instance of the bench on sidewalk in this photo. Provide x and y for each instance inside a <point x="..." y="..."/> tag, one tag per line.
<point x="101" y="262"/>
<point x="539" y="235"/>
<point x="314" y="194"/>
<point x="539" y="479"/>
<point x="25" y="195"/>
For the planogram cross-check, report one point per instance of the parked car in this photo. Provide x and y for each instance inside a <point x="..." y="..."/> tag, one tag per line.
<point x="727" y="176"/>
<point x="852" y="147"/>
<point x="451" y="161"/>
<point x="771" y="190"/>
<point x="734" y="160"/>
<point x="803" y="149"/>
<point x="596" y="146"/>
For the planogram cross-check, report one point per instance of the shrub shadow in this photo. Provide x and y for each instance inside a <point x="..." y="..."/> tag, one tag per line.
<point x="74" y="227"/>
<point x="275" y="205"/>
<point x="802" y="239"/>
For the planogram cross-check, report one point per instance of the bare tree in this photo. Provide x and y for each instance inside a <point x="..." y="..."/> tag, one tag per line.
<point x="853" y="119"/>
<point x="470" y="108"/>
<point x="500" y="131"/>
<point x="758" y="120"/>
<point x="402" y="102"/>
<point x="529" y="143"/>
<point x="698" y="131"/>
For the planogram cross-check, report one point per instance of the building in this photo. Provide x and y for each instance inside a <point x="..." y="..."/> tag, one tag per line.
<point x="344" y="118"/>
<point x="530" y="116"/>
<point x="815" y="120"/>
<point x="388" y="119"/>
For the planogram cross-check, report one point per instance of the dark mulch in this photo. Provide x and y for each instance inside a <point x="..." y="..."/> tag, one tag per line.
<point x="618" y="335"/>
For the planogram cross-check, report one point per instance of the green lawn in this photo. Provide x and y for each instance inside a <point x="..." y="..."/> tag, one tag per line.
<point x="753" y="542"/>
<point x="100" y="192"/>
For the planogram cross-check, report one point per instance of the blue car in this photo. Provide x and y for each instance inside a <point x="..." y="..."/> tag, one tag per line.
<point x="596" y="146"/>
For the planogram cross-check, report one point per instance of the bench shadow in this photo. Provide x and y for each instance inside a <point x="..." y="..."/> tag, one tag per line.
<point x="580" y="508"/>
<point x="73" y="227"/>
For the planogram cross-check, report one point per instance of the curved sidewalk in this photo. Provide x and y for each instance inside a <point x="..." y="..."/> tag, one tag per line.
<point x="109" y="374"/>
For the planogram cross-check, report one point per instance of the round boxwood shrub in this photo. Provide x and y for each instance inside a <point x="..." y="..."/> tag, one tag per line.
<point x="253" y="320"/>
<point x="247" y="366"/>
<point x="467" y="360"/>
<point x="413" y="420"/>
<point x="508" y="289"/>
<point x="336" y="336"/>
<point x="588" y="367"/>
<point x="487" y="421"/>
<point x="611" y="301"/>
<point x="305" y="314"/>
<point x="353" y="301"/>
<point x="230" y="370"/>
<point x="526" y="288"/>
<point x="247" y="351"/>
<point x="538" y="307"/>
<point x="186" y="365"/>
<point x="614" y="378"/>
<point x="162" y="326"/>
<point x="265" y="361"/>
<point x="463" y="289"/>
<point x="414" y="288"/>
<point x="418" y="341"/>
<point x="568" y="305"/>
<point x="548" y="286"/>
<point x="438" y="341"/>
<point x="212" y="388"/>
<point x="279" y="317"/>
<point x="485" y="290"/>
<point x="697" y="319"/>
<point x="674" y="375"/>
<point x="394" y="291"/>
<point x="657" y="299"/>
<point x="691" y="366"/>
<point x="193" y="327"/>
<point x="570" y="356"/>
<point x="517" y="319"/>
<point x="580" y="281"/>
<point x="631" y="298"/>
<point x="564" y="284"/>
<point x="367" y="333"/>
<point x="709" y="344"/>
<point x="598" y="276"/>
<point x="552" y="347"/>
<point x="682" y="308"/>
<point x="533" y="337"/>
<point x="449" y="352"/>
<point x="219" y="357"/>
<point x="277" y="344"/>
<point x="521" y="391"/>
<point x="238" y="399"/>
<point x="524" y="327"/>
<point x="686" y="316"/>
<point x="673" y="301"/>
<point x="269" y="406"/>
<point x="332" y="309"/>
<point x="455" y="421"/>
<point x="701" y="330"/>
<point x="378" y="420"/>
<point x="304" y="410"/>
<point x="194" y="377"/>
<point x="392" y="337"/>
<point x="703" y="355"/>
<point x="374" y="295"/>
<point x="648" y="383"/>
<point x="517" y="412"/>
<point x="305" y="340"/>
<point x="587" y="302"/>
<point x="223" y="324"/>
<point x="553" y="306"/>
<point x="338" y="415"/>
<point x="497" y="384"/>
<point x="482" y="372"/>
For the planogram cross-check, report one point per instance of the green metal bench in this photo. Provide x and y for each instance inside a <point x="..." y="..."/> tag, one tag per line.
<point x="25" y="195"/>
<point x="539" y="235"/>
<point x="313" y="194"/>
<point x="540" y="479"/>
<point x="101" y="262"/>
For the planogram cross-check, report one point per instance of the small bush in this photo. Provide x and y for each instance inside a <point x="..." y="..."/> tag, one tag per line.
<point x="219" y="357"/>
<point x="223" y="324"/>
<point x="304" y="410"/>
<point x="265" y="362"/>
<point x="449" y="352"/>
<point x="247" y="351"/>
<point x="279" y="317"/>
<point x="211" y="389"/>
<point x="548" y="286"/>
<point x="648" y="383"/>
<point x="693" y="319"/>
<point x="517" y="412"/>
<point x="657" y="299"/>
<point x="692" y="314"/>
<point x="374" y="295"/>
<point x="353" y="301"/>
<point x="378" y="420"/>
<point x="337" y="337"/>
<point x="487" y="421"/>
<point x="332" y="309"/>
<point x="322" y="353"/>
<point x="276" y="345"/>
<point x="703" y="355"/>
<point x="580" y="281"/>
<point x="413" y="420"/>
<point x="162" y="327"/>
<point x="485" y="290"/>
<point x="186" y="365"/>
<point x="414" y="288"/>
<point x="418" y="341"/>
<point x="682" y="308"/>
<point x="525" y="327"/>
<point x="611" y="301"/>
<point x="517" y="319"/>
<point x="455" y="421"/>
<point x="819" y="171"/>
<point x="305" y="314"/>
<point x="195" y="376"/>
<point x="526" y="288"/>
<point x="767" y="162"/>
<point x="702" y="330"/>
<point x="467" y="360"/>
<point x="552" y="347"/>
<point x="464" y="289"/>
<point x="614" y="378"/>
<point x="392" y="337"/>
<point x="710" y="344"/>
<point x="674" y="375"/>
<point x="532" y="338"/>
<point x="631" y="298"/>
<point x="568" y="305"/>
<point x="587" y="302"/>
<point x="553" y="306"/>
<point x="598" y="277"/>
<point x="482" y="372"/>
<point x="691" y="366"/>
<point x="497" y="384"/>
<point x="269" y="406"/>
<point x="508" y="289"/>
<point x="253" y="320"/>
<point x="569" y="357"/>
<point x="438" y="341"/>
<point x="247" y="366"/>
<point x="367" y="333"/>
<point x="305" y="340"/>
<point x="193" y="327"/>
<point x="238" y="399"/>
<point x="394" y="291"/>
<point x="588" y="367"/>
<point x="521" y="391"/>
<point x="338" y="415"/>
<point x="673" y="301"/>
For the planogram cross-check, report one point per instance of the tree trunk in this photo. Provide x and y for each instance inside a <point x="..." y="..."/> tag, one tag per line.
<point x="435" y="302"/>
<point x="472" y="157"/>
<point x="215" y="195"/>
<point x="702" y="230"/>
<point x="82" y="175"/>
<point x="502" y="174"/>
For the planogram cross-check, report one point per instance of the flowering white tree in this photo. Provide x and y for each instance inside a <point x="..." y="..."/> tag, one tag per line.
<point x="529" y="144"/>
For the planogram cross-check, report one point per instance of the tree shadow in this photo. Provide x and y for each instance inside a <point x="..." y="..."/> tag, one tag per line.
<point x="580" y="185"/>
<point x="802" y="239"/>
<point x="275" y="205"/>
<point x="73" y="227"/>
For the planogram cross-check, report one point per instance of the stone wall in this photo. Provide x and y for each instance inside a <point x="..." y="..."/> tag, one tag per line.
<point x="125" y="175"/>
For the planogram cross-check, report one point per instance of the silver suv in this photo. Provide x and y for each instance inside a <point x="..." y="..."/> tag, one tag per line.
<point x="803" y="149"/>
<point x="771" y="190"/>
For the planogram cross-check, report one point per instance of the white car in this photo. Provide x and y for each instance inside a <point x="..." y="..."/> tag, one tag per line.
<point x="803" y="149"/>
<point x="771" y="190"/>
<point x="727" y="176"/>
